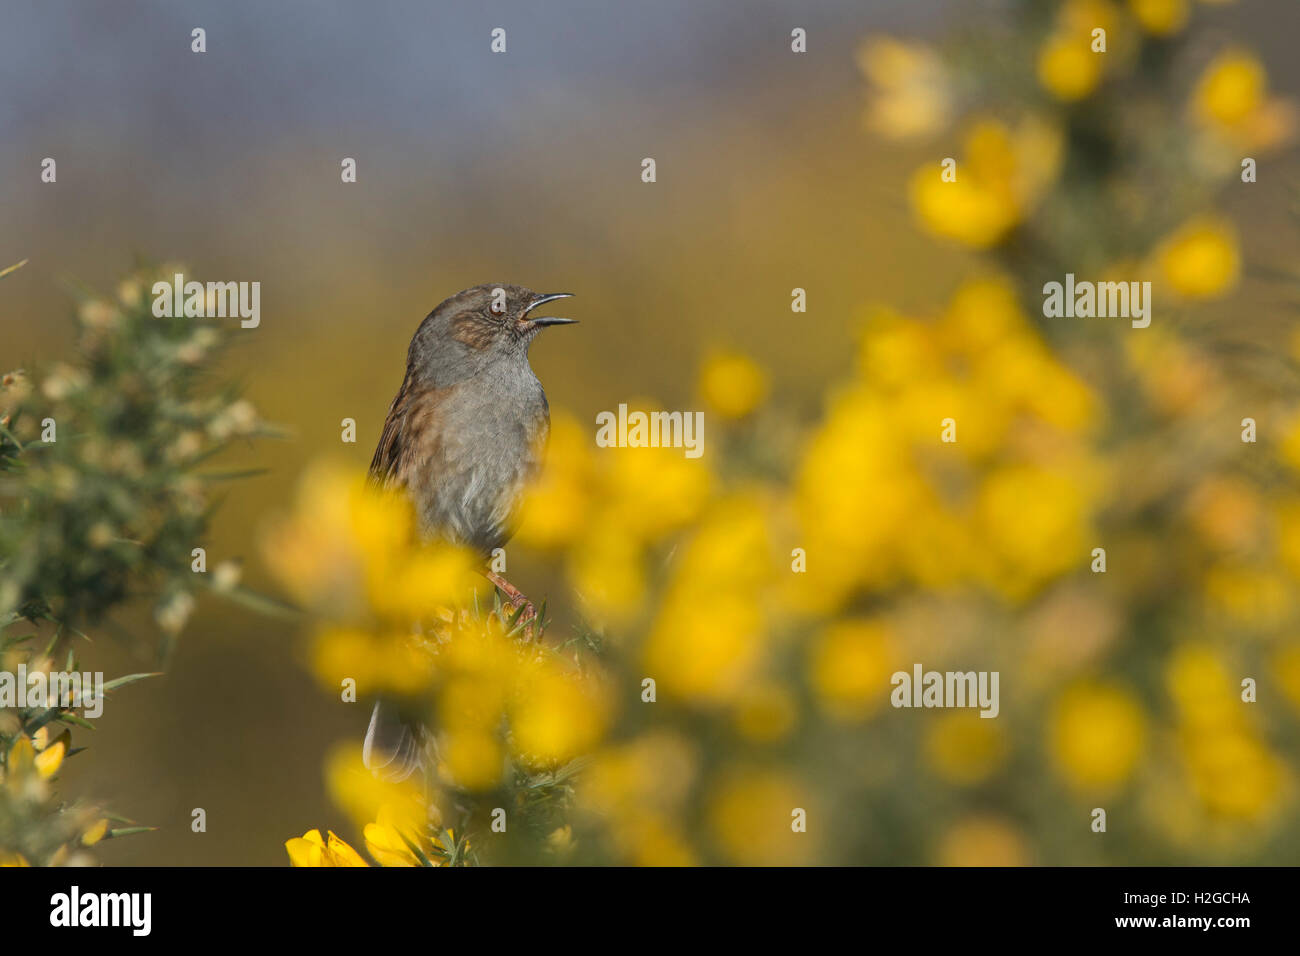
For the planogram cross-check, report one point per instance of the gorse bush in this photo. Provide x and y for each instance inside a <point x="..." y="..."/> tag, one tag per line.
<point x="104" y="495"/>
<point x="1067" y="502"/>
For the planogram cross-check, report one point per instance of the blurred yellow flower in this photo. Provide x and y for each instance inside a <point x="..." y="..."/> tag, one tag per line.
<point x="977" y="214"/>
<point x="555" y="506"/>
<point x="1248" y="592"/>
<point x="1035" y="523"/>
<point x="1226" y="512"/>
<point x="708" y="639"/>
<point x="1200" y="259"/>
<point x="653" y="492"/>
<point x="350" y="550"/>
<point x="1234" y="775"/>
<point x="311" y="849"/>
<point x="980" y="840"/>
<point x="1177" y="378"/>
<point x="1067" y="67"/>
<point x="1096" y="734"/>
<point x="557" y="714"/>
<point x="910" y="92"/>
<point x="752" y="813"/>
<point x="390" y="843"/>
<point x="1232" y="88"/>
<point x="1000" y="179"/>
<point x="732" y="385"/>
<point x="49" y="760"/>
<point x="639" y="790"/>
<point x="1161" y="17"/>
<point x="1198" y="682"/>
<point x="376" y="662"/>
<point x="606" y="571"/>
<point x="362" y="795"/>
<point x="850" y="666"/>
<point x="1231" y="100"/>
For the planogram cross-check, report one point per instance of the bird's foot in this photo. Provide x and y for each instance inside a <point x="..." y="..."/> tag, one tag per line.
<point x="517" y="600"/>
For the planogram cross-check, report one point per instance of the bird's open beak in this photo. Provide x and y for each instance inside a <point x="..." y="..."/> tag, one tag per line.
<point x="547" y="319"/>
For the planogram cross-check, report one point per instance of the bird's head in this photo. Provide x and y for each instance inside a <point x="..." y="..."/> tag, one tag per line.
<point x="481" y="325"/>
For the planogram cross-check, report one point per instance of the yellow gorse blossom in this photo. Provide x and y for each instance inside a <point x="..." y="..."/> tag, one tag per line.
<point x="998" y="181"/>
<point x="1231" y="101"/>
<point x="732" y="385"/>
<point x="1234" y="774"/>
<point x="910" y="88"/>
<point x="1200" y="260"/>
<point x="391" y="841"/>
<point x="1161" y="17"/>
<point x="1097" y="735"/>
<point x="311" y="849"/>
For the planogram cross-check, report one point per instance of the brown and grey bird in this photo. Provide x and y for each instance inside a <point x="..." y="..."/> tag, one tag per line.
<point x="463" y="437"/>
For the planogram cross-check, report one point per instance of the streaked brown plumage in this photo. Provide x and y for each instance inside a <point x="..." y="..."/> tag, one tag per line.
<point x="463" y="436"/>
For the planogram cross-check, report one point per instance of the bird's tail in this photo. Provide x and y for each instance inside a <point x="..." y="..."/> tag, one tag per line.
<point x="392" y="750"/>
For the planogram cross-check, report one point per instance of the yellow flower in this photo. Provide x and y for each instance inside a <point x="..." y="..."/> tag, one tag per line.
<point x="1160" y="17"/>
<point x="12" y="859"/>
<point x="1199" y="684"/>
<point x="555" y="507"/>
<point x="472" y="759"/>
<point x="48" y="761"/>
<point x="606" y="570"/>
<point x="361" y="794"/>
<point x="557" y="715"/>
<point x="732" y="385"/>
<point x="639" y="790"/>
<point x="1226" y="512"/>
<point x="1200" y="260"/>
<point x="1248" y="592"/>
<point x="1004" y="173"/>
<point x="709" y="637"/>
<point x="751" y="813"/>
<point x="96" y="832"/>
<point x="850" y="668"/>
<point x="389" y="840"/>
<point x="653" y="492"/>
<point x="1232" y="88"/>
<point x="910" y="90"/>
<point x="983" y="841"/>
<point x="1231" y="101"/>
<point x="1067" y="67"/>
<point x="1035" y="523"/>
<point x="311" y="849"/>
<point x="1097" y="733"/>
<point x="974" y="213"/>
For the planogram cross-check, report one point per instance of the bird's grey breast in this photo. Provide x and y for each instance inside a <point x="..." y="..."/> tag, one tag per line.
<point x="494" y="428"/>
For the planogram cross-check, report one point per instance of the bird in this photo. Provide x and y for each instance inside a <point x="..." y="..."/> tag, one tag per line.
<point x="463" y="437"/>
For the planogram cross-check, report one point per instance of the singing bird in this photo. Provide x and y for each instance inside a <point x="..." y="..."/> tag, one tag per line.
<point x="464" y="435"/>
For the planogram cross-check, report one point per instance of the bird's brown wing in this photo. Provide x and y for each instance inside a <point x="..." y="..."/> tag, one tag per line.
<point x="385" y="466"/>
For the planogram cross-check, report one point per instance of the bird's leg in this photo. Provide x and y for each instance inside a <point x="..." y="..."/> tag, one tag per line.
<point x="516" y="599"/>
